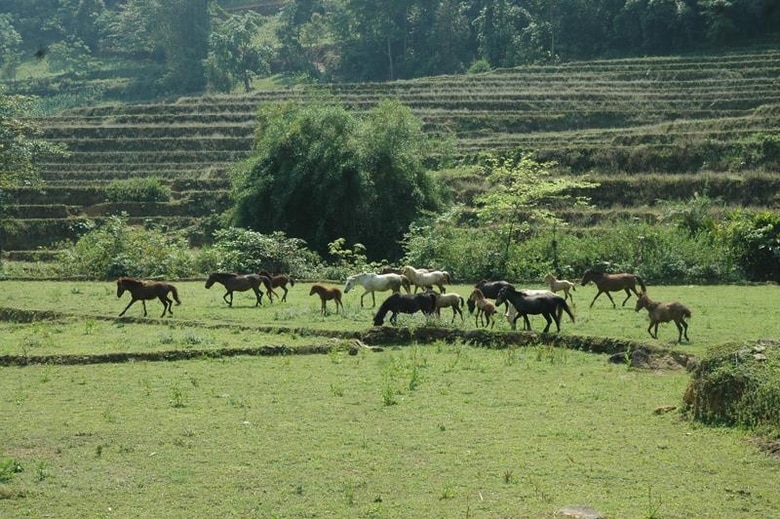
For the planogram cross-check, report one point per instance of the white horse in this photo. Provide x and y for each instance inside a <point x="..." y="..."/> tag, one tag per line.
<point x="376" y="283"/>
<point x="423" y="278"/>
<point x="560" y="284"/>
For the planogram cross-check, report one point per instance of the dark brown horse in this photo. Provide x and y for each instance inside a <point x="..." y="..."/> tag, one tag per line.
<point x="240" y="283"/>
<point x="546" y="304"/>
<point x="424" y="302"/>
<point x="140" y="291"/>
<point x="607" y="283"/>
<point x="326" y="294"/>
<point x="279" y="281"/>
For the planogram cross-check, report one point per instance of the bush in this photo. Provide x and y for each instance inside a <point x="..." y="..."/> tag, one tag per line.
<point x="242" y="250"/>
<point x="737" y="385"/>
<point x="138" y="190"/>
<point x="117" y="249"/>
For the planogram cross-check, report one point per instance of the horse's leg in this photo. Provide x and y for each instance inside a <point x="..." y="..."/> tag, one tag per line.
<point x="549" y="322"/>
<point x="166" y="304"/>
<point x="597" y="296"/>
<point x="225" y="297"/>
<point x="685" y="327"/>
<point x="128" y="306"/>
<point x="610" y="298"/>
<point x="258" y="296"/>
<point x="679" y="331"/>
<point x="339" y="304"/>
<point x="284" y="297"/>
<point x="143" y="302"/>
<point x="628" y="295"/>
<point x="323" y="309"/>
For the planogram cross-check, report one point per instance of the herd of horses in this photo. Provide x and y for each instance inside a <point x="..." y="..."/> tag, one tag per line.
<point x="419" y="295"/>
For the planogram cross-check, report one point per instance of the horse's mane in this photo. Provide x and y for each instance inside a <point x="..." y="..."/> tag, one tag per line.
<point x="129" y="281"/>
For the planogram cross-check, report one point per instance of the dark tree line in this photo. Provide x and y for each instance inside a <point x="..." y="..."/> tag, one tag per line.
<point x="198" y="44"/>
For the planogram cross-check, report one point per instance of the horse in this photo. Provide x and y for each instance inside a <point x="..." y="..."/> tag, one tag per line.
<point x="407" y="304"/>
<point x="663" y="313"/>
<point x="279" y="281"/>
<point x="607" y="283"/>
<point x="376" y="283"/>
<point x="240" y="283"/>
<point x="423" y="278"/>
<point x="548" y="305"/>
<point x="485" y="309"/>
<point x="511" y="311"/>
<point x="557" y="285"/>
<point x="451" y="300"/>
<point x="140" y="291"/>
<point x="490" y="290"/>
<point x="326" y="294"/>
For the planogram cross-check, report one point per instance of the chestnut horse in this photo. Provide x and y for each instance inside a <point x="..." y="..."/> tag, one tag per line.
<point x="279" y="281"/>
<point x="663" y="313"/>
<point x="326" y="294"/>
<point x="486" y="310"/>
<point x="140" y="291"/>
<point x="607" y="283"/>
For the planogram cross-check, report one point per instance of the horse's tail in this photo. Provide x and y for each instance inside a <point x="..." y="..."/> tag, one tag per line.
<point x="641" y="283"/>
<point x="174" y="293"/>
<point x="565" y="307"/>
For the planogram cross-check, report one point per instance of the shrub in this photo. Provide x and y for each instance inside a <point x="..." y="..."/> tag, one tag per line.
<point x="754" y="239"/>
<point x="138" y="189"/>
<point x="242" y="250"/>
<point x="737" y="385"/>
<point x="117" y="249"/>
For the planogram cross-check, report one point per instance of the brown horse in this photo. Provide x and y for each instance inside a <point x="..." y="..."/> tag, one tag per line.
<point x="240" y="283"/>
<point x="486" y="310"/>
<point x="140" y="291"/>
<point x="279" y="281"/>
<point x="326" y="294"/>
<point x="663" y="313"/>
<point x="607" y="283"/>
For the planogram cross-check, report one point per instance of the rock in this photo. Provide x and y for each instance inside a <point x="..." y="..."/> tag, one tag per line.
<point x="578" y="512"/>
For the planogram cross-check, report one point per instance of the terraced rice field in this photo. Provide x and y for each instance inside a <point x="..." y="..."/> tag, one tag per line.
<point x="617" y="121"/>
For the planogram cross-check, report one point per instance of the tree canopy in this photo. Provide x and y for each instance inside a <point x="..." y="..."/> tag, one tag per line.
<point x="321" y="173"/>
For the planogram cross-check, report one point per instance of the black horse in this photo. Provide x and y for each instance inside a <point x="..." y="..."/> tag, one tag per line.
<point x="548" y="305"/>
<point x="489" y="289"/>
<point x="407" y="304"/>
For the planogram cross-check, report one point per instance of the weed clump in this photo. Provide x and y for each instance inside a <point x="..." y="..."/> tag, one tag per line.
<point x="737" y="385"/>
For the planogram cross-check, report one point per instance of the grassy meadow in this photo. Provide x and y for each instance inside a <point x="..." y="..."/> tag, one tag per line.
<point x="435" y="430"/>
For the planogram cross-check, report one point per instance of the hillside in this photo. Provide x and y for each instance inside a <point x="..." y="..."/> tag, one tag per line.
<point x="646" y="129"/>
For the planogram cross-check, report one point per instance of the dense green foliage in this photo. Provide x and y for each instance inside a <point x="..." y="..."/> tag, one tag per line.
<point x="117" y="249"/>
<point x="320" y="173"/>
<point x="354" y="40"/>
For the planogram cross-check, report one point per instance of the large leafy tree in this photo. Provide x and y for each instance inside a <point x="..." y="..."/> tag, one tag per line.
<point x="320" y="173"/>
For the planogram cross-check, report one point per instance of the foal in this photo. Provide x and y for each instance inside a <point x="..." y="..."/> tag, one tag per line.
<point x="326" y="294"/>
<point x="557" y="285"/>
<point x="663" y="313"/>
<point x="485" y="309"/>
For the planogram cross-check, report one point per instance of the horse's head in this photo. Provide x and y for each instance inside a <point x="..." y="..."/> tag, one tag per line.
<point x="588" y="276"/>
<point x="120" y="287"/>
<point x="641" y="301"/>
<point x="502" y="295"/>
<point x="211" y="280"/>
<point x="351" y="280"/>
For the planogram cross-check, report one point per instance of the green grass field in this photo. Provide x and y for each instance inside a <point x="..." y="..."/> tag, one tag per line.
<point x="436" y="430"/>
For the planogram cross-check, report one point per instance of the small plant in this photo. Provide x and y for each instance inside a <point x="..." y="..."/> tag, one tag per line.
<point x="337" y="390"/>
<point x="89" y="325"/>
<point x="508" y="476"/>
<point x="177" y="396"/>
<point x="389" y="396"/>
<point x="41" y="471"/>
<point x="8" y="469"/>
